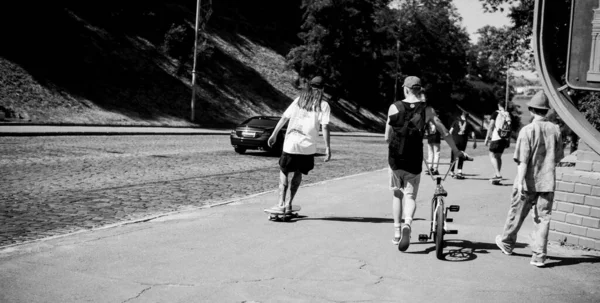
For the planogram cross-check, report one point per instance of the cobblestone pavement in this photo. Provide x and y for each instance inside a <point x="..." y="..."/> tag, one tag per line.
<point x="56" y="185"/>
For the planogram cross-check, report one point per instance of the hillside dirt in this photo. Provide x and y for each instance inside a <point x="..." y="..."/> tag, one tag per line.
<point x="95" y="75"/>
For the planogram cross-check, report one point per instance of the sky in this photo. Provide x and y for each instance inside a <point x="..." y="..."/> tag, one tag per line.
<point x="475" y="18"/>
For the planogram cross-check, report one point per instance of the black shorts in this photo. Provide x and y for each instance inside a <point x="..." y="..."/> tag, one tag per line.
<point x="461" y="142"/>
<point x="498" y="146"/>
<point x="290" y="163"/>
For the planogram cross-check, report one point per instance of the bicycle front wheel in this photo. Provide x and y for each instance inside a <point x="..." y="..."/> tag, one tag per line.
<point x="439" y="229"/>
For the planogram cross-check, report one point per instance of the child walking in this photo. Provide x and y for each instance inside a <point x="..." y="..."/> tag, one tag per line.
<point x="538" y="150"/>
<point x="434" y="140"/>
<point x="461" y="130"/>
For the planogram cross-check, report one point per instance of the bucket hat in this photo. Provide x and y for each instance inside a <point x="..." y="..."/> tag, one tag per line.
<point x="539" y="100"/>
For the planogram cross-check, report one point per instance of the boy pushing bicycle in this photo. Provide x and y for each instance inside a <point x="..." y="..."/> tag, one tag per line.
<point x="404" y="134"/>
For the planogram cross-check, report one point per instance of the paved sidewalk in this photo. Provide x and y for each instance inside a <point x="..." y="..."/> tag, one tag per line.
<point x="339" y="250"/>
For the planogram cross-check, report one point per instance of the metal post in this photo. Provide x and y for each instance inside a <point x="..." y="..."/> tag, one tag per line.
<point x="397" y="65"/>
<point x="194" y="71"/>
<point x="507" y="82"/>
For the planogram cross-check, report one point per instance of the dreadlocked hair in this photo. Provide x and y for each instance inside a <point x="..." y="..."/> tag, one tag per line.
<point x="310" y="99"/>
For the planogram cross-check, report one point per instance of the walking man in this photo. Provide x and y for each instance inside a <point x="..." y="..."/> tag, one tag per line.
<point x="539" y="148"/>
<point x="305" y="114"/>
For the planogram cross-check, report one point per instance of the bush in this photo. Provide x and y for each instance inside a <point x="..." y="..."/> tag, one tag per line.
<point x="589" y="106"/>
<point x="179" y="42"/>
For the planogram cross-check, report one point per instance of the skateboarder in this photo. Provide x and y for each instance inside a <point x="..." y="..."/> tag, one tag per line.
<point x="404" y="133"/>
<point x="305" y="114"/>
<point x="461" y="130"/>
<point x="539" y="148"/>
<point x="498" y="137"/>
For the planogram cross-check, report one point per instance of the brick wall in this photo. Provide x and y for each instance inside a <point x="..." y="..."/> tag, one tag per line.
<point x="576" y="209"/>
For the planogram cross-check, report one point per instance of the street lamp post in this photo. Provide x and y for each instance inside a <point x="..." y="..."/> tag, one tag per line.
<point x="397" y="67"/>
<point x="194" y="71"/>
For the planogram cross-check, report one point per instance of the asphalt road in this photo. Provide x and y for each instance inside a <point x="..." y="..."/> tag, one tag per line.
<point x="56" y="185"/>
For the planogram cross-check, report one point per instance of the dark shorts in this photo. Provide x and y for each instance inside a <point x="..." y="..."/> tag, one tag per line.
<point x="461" y="142"/>
<point x="290" y="163"/>
<point x="431" y="139"/>
<point x="498" y="146"/>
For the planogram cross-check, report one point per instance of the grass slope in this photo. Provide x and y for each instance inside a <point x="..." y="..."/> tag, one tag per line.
<point x="89" y="72"/>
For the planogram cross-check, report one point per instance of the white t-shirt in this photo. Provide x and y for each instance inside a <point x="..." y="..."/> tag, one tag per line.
<point x="303" y="128"/>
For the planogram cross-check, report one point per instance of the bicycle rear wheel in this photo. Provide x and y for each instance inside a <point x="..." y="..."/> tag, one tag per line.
<point x="439" y="229"/>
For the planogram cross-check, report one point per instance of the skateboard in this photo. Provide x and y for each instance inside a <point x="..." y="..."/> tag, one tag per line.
<point x="281" y="216"/>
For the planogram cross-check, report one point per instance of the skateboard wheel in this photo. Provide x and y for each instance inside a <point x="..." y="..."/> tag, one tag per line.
<point x="454" y="208"/>
<point x="423" y="237"/>
<point x="450" y="220"/>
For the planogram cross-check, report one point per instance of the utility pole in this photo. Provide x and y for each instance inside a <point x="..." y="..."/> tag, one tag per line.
<point x="194" y="70"/>
<point x="507" y="83"/>
<point x="397" y="65"/>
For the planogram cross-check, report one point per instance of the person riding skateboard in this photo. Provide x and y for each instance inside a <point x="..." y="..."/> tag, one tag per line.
<point x="404" y="133"/>
<point x="498" y="138"/>
<point x="305" y="114"/>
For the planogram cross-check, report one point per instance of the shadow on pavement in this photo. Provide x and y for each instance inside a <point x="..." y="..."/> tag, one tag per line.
<point x="463" y="250"/>
<point x="562" y="261"/>
<point x="352" y="219"/>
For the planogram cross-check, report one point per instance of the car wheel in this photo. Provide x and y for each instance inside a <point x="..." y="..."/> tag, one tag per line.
<point x="240" y="150"/>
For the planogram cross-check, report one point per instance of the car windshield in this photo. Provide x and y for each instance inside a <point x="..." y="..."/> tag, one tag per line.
<point x="262" y="122"/>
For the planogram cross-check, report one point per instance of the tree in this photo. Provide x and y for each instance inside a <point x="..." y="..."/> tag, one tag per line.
<point x="339" y="42"/>
<point x="354" y="44"/>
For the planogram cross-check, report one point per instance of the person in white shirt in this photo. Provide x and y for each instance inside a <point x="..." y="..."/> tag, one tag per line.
<point x="496" y="142"/>
<point x="305" y="114"/>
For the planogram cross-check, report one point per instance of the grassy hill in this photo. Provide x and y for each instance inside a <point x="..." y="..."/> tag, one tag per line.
<point x="67" y="63"/>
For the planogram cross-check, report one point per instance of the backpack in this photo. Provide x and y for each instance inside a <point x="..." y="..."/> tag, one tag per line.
<point x="504" y="126"/>
<point x="407" y="124"/>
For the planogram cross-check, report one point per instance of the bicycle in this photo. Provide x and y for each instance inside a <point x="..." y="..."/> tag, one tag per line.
<point x="439" y="212"/>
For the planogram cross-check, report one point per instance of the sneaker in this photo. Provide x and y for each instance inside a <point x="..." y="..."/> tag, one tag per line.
<point x="278" y="208"/>
<point x="436" y="173"/>
<point x="404" y="237"/>
<point x="537" y="262"/>
<point x="396" y="239"/>
<point x="502" y="246"/>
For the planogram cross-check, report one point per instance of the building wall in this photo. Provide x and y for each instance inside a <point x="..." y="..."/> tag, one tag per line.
<point x="576" y="209"/>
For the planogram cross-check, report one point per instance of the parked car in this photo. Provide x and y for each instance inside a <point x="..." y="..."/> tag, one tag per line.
<point x="254" y="134"/>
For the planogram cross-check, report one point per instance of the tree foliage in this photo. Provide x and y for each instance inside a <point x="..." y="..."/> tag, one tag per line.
<point x="356" y="44"/>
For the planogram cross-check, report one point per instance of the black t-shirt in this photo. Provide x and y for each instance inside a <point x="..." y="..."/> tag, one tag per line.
<point x="461" y="129"/>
